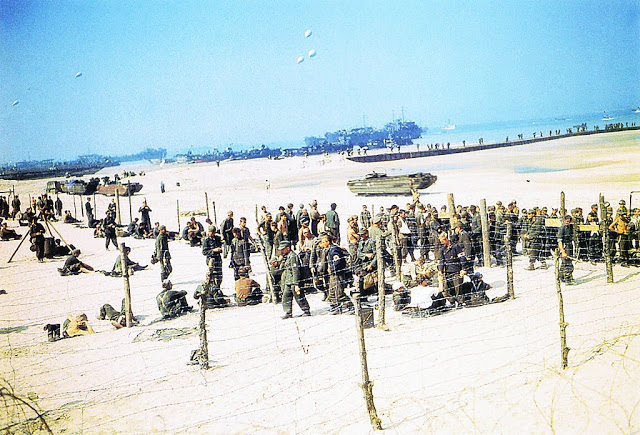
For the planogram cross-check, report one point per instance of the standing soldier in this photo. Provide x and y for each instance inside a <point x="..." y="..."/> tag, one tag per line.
<point x="595" y="239"/>
<point x="565" y="248"/>
<point x="144" y="211"/>
<point x="365" y="217"/>
<point x="212" y="250"/>
<point x="89" y="210"/>
<point x="227" y="233"/>
<point x="290" y="280"/>
<point x="162" y="253"/>
<point x="536" y="237"/>
<point x="109" y="226"/>
<point x="333" y="222"/>
<point x="16" y="207"/>
<point x="449" y="265"/>
<point x="239" y="253"/>
<point x="314" y="216"/>
<point x="58" y="206"/>
<point x="36" y="236"/>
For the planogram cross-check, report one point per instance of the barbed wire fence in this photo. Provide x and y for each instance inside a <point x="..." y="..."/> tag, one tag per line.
<point x="306" y="373"/>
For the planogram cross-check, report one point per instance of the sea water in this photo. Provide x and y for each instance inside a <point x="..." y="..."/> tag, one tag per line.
<point x="496" y="132"/>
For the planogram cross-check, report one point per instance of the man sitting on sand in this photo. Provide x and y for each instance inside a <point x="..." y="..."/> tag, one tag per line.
<point x="247" y="290"/>
<point x="132" y="265"/>
<point x="68" y="219"/>
<point x="73" y="266"/>
<point x="118" y="318"/>
<point x="172" y="303"/>
<point x="7" y="234"/>
<point x="210" y="292"/>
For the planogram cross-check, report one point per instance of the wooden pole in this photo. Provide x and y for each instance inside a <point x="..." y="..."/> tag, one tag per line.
<point x="381" y="296"/>
<point x="563" y="209"/>
<point x="75" y="211"/>
<point x="206" y="202"/>
<point x="604" y="227"/>
<point x="129" y="197"/>
<point x="50" y="225"/>
<point x="507" y="244"/>
<point x="81" y="207"/>
<point x="396" y="247"/>
<point x="95" y="209"/>
<point x="178" y="213"/>
<point x="18" y="247"/>
<point x="452" y="208"/>
<point x="204" y="343"/>
<point x="564" y="350"/>
<point x="486" y="247"/>
<point x="215" y="217"/>
<point x="118" y="206"/>
<point x="367" y="385"/>
<point x="127" y="289"/>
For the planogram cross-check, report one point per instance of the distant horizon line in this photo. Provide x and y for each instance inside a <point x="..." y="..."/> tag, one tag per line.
<point x="239" y="147"/>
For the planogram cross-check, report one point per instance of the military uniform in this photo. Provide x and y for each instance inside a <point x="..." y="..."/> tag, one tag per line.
<point x="333" y="223"/>
<point x="536" y="234"/>
<point x="163" y="256"/>
<point x="565" y="236"/>
<point x="210" y="249"/>
<point x="289" y="280"/>
<point x="365" y="218"/>
<point x="450" y="266"/>
<point x="109" y="226"/>
<point x="172" y="303"/>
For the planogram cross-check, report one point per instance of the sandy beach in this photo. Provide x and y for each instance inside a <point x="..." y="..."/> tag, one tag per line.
<point x="489" y="369"/>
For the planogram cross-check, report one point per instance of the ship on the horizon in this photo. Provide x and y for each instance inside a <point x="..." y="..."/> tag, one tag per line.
<point x="84" y="165"/>
<point x="606" y="117"/>
<point x="401" y="132"/>
<point x="449" y="126"/>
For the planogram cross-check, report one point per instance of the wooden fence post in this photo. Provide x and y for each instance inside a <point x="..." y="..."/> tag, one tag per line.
<point x="564" y="350"/>
<point x="204" y="343"/>
<point x="75" y="211"/>
<point x="206" y="202"/>
<point x="118" y="207"/>
<point x="486" y="247"/>
<point x="367" y="385"/>
<point x="95" y="209"/>
<point x="130" y="208"/>
<point x="381" y="295"/>
<point x="215" y="216"/>
<point x="178" y="214"/>
<point x="127" y="289"/>
<point x="507" y="244"/>
<point x="397" y="248"/>
<point x="563" y="208"/>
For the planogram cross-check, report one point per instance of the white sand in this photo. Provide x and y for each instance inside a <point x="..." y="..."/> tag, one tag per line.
<point x="489" y="369"/>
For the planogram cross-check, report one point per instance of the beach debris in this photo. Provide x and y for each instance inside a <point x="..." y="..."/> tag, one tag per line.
<point x="15" y="103"/>
<point x="78" y="74"/>
<point x="165" y="334"/>
<point x="188" y="213"/>
<point x="312" y="53"/>
<point x="300" y="59"/>
<point x="308" y="33"/>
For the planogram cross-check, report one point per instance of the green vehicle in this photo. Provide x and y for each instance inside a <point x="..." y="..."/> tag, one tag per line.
<point x="379" y="183"/>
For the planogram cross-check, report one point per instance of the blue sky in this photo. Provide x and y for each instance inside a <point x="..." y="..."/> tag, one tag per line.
<point x="207" y="74"/>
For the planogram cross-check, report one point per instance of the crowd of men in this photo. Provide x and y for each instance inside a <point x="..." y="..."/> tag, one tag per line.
<point x="303" y="251"/>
